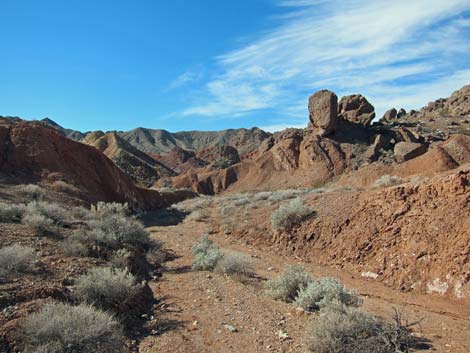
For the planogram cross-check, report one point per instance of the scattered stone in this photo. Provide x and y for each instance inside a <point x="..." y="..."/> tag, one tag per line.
<point x="283" y="335"/>
<point x="230" y="328"/>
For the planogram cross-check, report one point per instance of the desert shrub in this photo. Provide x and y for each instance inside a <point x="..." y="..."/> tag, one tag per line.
<point x="289" y="215"/>
<point x="37" y="221"/>
<point x="197" y="216"/>
<point x="156" y="256"/>
<point x="388" y="180"/>
<point x="16" y="259"/>
<point x="348" y="330"/>
<point x="208" y="260"/>
<point x="226" y="228"/>
<point x="81" y="213"/>
<point x="120" y="258"/>
<point x="56" y="213"/>
<point x="227" y="210"/>
<point x="206" y="254"/>
<point x="11" y="212"/>
<point x="62" y="328"/>
<point x="114" y="231"/>
<point x="202" y="245"/>
<point x="105" y="209"/>
<point x="73" y="247"/>
<point x="322" y="292"/>
<point x="34" y="192"/>
<point x="242" y="201"/>
<point x="195" y="204"/>
<point x="106" y="288"/>
<point x="62" y="186"/>
<point x="261" y="196"/>
<point x="287" y="285"/>
<point x="282" y="195"/>
<point x="236" y="264"/>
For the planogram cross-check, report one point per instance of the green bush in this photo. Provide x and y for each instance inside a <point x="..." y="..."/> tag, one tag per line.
<point x="10" y="213"/>
<point x="348" y="330"/>
<point x="288" y="284"/>
<point x="322" y="292"/>
<point x="16" y="259"/>
<point x="106" y="288"/>
<point x="62" y="328"/>
<point x="289" y="215"/>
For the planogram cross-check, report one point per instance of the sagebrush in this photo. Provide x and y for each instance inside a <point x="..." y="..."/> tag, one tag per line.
<point x="15" y="259"/>
<point x="62" y="328"/>
<point x="236" y="264"/>
<point x="289" y="215"/>
<point x="322" y="292"/>
<point x="106" y="288"/>
<point x="349" y="330"/>
<point x="288" y="284"/>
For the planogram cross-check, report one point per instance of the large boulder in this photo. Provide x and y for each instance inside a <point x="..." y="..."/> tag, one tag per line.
<point x="404" y="151"/>
<point x="356" y="109"/>
<point x="389" y="115"/>
<point x="323" y="110"/>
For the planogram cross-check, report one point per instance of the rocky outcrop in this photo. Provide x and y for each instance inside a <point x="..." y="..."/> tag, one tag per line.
<point x="356" y="109"/>
<point x="389" y="115"/>
<point x="323" y="110"/>
<point x="404" y="151"/>
<point x="219" y="157"/>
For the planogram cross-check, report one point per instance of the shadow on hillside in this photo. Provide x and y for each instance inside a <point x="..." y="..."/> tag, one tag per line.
<point x="164" y="217"/>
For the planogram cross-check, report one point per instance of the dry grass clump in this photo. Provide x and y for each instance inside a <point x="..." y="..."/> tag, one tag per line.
<point x="228" y="210"/>
<point x="106" y="288"/>
<point x="11" y="213"/>
<point x="348" y="330"/>
<point x="195" y="204"/>
<point x="198" y="216"/>
<point x="38" y="222"/>
<point x="62" y="186"/>
<point x="62" y="328"/>
<point x="236" y="264"/>
<point x="16" y="259"/>
<point x="56" y="213"/>
<point x="32" y="191"/>
<point x="388" y="180"/>
<point x="105" y="209"/>
<point x="324" y="291"/>
<point x="288" y="284"/>
<point x="289" y="215"/>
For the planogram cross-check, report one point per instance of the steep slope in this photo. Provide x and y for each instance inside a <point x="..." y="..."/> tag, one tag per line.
<point x="72" y="134"/>
<point x="34" y="152"/>
<point x="162" y="142"/>
<point x="139" y="166"/>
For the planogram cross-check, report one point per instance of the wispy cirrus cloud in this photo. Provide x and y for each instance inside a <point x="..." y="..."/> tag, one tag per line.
<point x="184" y="79"/>
<point x="391" y="51"/>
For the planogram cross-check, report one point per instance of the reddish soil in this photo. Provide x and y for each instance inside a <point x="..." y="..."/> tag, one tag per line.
<point x="194" y="305"/>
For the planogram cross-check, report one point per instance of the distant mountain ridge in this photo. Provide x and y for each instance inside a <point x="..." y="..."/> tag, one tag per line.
<point x="159" y="141"/>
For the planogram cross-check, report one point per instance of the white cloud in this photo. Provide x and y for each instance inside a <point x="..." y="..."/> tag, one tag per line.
<point x="393" y="50"/>
<point x="184" y="79"/>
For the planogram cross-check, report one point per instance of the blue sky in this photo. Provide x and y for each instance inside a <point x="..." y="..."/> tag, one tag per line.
<point x="215" y="64"/>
